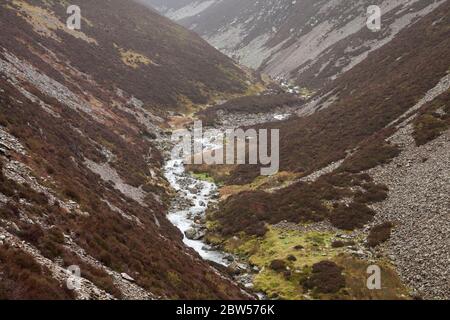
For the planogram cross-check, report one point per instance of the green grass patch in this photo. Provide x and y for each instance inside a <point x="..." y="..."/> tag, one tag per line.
<point x="203" y="177"/>
<point x="307" y="248"/>
<point x="277" y="285"/>
<point x="279" y="244"/>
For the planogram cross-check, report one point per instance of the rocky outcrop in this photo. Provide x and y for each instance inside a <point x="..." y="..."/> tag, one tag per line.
<point x="10" y="143"/>
<point x="86" y="289"/>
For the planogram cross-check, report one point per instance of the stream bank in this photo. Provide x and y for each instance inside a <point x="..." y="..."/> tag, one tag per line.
<point x="192" y="199"/>
<point x="188" y="212"/>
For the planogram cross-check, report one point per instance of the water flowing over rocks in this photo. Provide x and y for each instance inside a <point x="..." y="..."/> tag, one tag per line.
<point x="189" y="206"/>
<point x="193" y="195"/>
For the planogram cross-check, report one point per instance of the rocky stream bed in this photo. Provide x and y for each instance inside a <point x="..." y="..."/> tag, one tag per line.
<point x="193" y="197"/>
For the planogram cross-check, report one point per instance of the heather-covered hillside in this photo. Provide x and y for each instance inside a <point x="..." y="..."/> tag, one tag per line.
<point x="90" y="177"/>
<point x="308" y="41"/>
<point x="148" y="56"/>
<point x="80" y="171"/>
<point x="367" y="156"/>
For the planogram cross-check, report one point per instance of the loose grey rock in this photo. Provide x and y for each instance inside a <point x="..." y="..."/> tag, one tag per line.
<point x="127" y="277"/>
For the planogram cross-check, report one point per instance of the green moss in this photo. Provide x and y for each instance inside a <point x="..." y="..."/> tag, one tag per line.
<point x="276" y="285"/>
<point x="211" y="225"/>
<point x="203" y="177"/>
<point x="308" y="248"/>
<point x="279" y="244"/>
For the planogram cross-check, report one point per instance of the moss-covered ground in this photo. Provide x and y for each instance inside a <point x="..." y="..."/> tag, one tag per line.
<point x="300" y="251"/>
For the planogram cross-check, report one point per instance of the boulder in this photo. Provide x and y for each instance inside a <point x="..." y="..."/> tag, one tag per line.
<point x="229" y="258"/>
<point x="194" y="234"/>
<point x="236" y="268"/>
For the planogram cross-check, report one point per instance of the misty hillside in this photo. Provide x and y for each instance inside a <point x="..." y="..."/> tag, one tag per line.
<point x="311" y="42"/>
<point x="81" y="181"/>
<point x="364" y="167"/>
<point x="91" y="177"/>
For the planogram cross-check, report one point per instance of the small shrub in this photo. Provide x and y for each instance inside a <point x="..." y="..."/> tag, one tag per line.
<point x="291" y="258"/>
<point x="374" y="193"/>
<point x="173" y="278"/>
<point x="149" y="135"/>
<point x="430" y="124"/>
<point x="379" y="234"/>
<point x="341" y="244"/>
<point x="338" y="244"/>
<point x="371" y="155"/>
<point x="351" y="217"/>
<point x="31" y="233"/>
<point x="72" y="194"/>
<point x="9" y="211"/>
<point x="278" y="265"/>
<point x="49" y="169"/>
<point x="326" y="278"/>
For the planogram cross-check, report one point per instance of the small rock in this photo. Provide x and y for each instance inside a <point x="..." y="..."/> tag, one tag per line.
<point x="249" y="285"/>
<point x="127" y="277"/>
<point x="359" y="253"/>
<point x="235" y="268"/>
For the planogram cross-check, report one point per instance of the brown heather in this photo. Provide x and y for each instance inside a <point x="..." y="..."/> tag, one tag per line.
<point x="185" y="69"/>
<point x="368" y="99"/>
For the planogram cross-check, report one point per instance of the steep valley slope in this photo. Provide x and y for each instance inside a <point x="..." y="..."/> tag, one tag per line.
<point x="364" y="181"/>
<point x="81" y="183"/>
<point x="308" y="41"/>
<point x="364" y="156"/>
